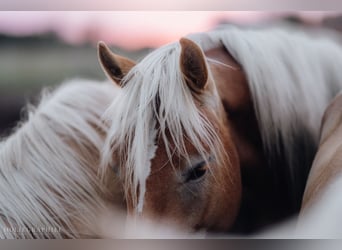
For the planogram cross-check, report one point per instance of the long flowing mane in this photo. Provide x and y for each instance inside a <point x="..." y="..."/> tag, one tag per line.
<point x="48" y="182"/>
<point x="292" y="76"/>
<point x="156" y="96"/>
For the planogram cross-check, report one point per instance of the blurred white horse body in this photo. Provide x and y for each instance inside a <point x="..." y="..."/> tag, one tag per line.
<point x="48" y="166"/>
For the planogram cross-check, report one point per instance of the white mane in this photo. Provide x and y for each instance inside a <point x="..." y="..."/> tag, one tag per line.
<point x="292" y="77"/>
<point x="48" y="166"/>
<point x="155" y="95"/>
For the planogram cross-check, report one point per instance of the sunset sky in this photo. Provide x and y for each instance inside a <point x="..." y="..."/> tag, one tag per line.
<point x="129" y="29"/>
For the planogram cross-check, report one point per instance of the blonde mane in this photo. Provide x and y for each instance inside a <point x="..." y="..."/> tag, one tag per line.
<point x="48" y="181"/>
<point x="156" y="101"/>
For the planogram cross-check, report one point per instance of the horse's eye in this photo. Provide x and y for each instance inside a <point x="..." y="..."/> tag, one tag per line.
<point x="196" y="172"/>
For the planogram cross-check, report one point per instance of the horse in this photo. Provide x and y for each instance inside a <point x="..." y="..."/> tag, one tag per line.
<point x="218" y="130"/>
<point x="49" y="180"/>
<point x="321" y="201"/>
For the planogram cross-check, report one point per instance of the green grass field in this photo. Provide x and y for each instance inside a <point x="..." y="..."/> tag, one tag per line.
<point x="29" y="64"/>
<point x="26" y="67"/>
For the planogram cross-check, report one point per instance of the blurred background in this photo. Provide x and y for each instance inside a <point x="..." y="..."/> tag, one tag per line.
<point x="41" y="49"/>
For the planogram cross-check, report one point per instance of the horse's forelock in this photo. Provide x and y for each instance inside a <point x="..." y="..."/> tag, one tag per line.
<point x="155" y="94"/>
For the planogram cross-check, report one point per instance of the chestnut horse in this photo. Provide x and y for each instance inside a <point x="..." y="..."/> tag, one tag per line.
<point x="48" y="167"/>
<point x="220" y="124"/>
<point x="321" y="206"/>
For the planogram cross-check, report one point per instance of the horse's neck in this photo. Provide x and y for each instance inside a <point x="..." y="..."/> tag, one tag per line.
<point x="234" y="92"/>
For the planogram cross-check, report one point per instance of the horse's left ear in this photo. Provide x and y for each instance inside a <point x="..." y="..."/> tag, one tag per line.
<point x="115" y="66"/>
<point x="193" y="65"/>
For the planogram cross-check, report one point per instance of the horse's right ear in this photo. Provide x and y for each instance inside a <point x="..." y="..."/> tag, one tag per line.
<point x="115" y="66"/>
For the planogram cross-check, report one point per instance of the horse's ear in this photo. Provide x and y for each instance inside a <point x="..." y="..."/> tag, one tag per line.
<point x="193" y="65"/>
<point x="115" y="66"/>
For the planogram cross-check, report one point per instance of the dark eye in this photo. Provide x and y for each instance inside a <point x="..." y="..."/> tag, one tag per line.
<point x="196" y="172"/>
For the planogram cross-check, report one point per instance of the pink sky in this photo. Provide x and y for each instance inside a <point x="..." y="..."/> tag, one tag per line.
<point x="270" y="5"/>
<point x="129" y="29"/>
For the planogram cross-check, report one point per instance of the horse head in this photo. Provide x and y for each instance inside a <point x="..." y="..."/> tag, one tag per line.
<point x="171" y="139"/>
